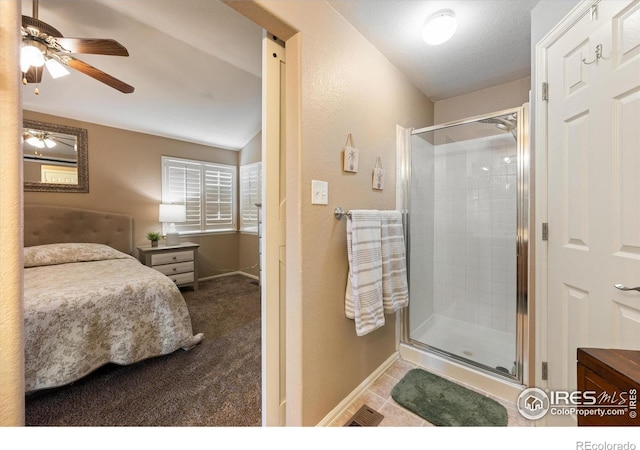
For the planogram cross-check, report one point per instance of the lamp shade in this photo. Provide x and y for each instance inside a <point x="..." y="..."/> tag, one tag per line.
<point x="35" y="142"/>
<point x="172" y="213"/>
<point x="31" y="55"/>
<point x="56" y="70"/>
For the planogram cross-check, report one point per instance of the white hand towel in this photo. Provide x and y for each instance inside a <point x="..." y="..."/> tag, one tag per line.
<point x="363" y="297"/>
<point x="395" y="290"/>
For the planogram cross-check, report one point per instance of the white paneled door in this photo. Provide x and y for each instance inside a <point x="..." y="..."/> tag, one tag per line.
<point x="593" y="199"/>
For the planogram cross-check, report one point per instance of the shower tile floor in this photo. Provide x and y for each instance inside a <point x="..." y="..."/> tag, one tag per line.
<point x="483" y="345"/>
<point x="378" y="397"/>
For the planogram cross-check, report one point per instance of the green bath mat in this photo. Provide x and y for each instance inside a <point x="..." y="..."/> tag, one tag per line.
<point x="444" y="403"/>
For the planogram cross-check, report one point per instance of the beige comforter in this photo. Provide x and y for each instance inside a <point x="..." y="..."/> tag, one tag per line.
<point x="87" y="304"/>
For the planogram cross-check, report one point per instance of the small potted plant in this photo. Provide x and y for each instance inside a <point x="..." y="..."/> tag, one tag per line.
<point x="154" y="237"/>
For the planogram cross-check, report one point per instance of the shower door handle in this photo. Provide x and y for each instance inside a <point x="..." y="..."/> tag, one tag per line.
<point x="622" y="287"/>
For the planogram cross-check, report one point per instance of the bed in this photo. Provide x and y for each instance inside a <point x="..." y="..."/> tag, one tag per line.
<point x="89" y="302"/>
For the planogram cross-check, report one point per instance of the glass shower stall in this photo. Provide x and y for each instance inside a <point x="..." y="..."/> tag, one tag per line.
<point x="467" y="203"/>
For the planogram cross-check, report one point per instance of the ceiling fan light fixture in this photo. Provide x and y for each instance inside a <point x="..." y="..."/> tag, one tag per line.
<point x="439" y="27"/>
<point x="35" y="142"/>
<point x="49" y="143"/>
<point x="31" y="54"/>
<point x="56" y="69"/>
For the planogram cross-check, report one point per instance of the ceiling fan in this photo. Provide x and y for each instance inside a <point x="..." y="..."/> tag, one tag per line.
<point x="41" y="139"/>
<point x="46" y="45"/>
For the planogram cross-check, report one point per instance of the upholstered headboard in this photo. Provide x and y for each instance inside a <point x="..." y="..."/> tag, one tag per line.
<point x="45" y="224"/>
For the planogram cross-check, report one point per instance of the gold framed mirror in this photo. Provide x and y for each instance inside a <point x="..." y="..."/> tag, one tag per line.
<point x="55" y="158"/>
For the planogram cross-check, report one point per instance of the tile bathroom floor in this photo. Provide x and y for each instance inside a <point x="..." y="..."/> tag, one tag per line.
<point x="378" y="397"/>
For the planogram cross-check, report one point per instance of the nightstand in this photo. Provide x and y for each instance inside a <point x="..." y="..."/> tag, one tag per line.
<point x="178" y="262"/>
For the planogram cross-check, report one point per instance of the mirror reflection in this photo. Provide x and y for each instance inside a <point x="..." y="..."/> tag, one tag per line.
<point x="55" y="157"/>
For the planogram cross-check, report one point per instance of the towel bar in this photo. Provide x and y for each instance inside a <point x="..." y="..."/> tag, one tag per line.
<point x="340" y="213"/>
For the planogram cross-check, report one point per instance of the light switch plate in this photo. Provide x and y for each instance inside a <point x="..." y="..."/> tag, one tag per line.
<point x="319" y="192"/>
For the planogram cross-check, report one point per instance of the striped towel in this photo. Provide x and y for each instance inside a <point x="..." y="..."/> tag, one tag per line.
<point x="395" y="290"/>
<point x="363" y="298"/>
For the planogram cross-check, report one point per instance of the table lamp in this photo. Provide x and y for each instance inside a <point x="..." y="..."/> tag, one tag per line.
<point x="171" y="214"/>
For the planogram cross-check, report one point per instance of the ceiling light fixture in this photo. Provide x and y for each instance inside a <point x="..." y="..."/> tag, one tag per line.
<point x="35" y="142"/>
<point x="34" y="54"/>
<point x="439" y="27"/>
<point x="49" y="143"/>
<point x="56" y="69"/>
<point x="39" y="140"/>
<point x="31" y="54"/>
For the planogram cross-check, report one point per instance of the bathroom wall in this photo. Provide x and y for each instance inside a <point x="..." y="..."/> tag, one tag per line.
<point x="484" y="101"/>
<point x="337" y="83"/>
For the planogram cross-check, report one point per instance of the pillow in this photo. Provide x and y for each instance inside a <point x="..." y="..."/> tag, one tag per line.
<point x="50" y="254"/>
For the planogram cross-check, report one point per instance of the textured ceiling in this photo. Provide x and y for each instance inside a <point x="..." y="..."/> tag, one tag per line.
<point x="491" y="44"/>
<point x="196" y="64"/>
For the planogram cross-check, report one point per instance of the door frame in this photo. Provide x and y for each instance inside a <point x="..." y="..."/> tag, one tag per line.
<point x="541" y="183"/>
<point x="273" y="388"/>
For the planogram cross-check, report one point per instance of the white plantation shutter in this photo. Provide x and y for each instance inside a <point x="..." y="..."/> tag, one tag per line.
<point x="250" y="194"/>
<point x="218" y="191"/>
<point x="207" y="190"/>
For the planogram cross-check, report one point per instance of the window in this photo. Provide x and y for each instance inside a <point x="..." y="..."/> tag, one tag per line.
<point x="207" y="189"/>
<point x="250" y="194"/>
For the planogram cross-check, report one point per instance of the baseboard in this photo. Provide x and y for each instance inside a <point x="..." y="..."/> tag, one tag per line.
<point x="342" y="407"/>
<point x="255" y="277"/>
<point x="228" y="274"/>
<point x="461" y="373"/>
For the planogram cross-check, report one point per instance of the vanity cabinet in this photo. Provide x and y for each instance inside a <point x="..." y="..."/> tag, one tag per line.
<point x="614" y="375"/>
<point x="178" y="262"/>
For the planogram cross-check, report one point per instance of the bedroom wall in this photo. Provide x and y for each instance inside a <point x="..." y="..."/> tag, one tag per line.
<point x="340" y="84"/>
<point x="125" y="177"/>
<point x="248" y="254"/>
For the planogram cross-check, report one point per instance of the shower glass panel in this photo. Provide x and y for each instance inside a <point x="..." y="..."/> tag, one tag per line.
<point x="463" y="235"/>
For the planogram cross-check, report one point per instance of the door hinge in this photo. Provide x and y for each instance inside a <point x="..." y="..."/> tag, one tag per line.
<point x="545" y="370"/>
<point x="545" y="90"/>
<point x="545" y="231"/>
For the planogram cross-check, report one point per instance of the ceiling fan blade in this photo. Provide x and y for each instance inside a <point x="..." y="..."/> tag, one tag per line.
<point x="99" y="75"/>
<point x="34" y="74"/>
<point x="61" y="141"/>
<point x="93" y="46"/>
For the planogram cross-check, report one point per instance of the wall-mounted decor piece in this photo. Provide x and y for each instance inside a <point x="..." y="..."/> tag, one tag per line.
<point x="350" y="155"/>
<point x="55" y="158"/>
<point x="378" y="175"/>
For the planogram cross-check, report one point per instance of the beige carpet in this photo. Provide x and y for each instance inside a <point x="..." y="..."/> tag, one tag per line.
<point x="215" y="384"/>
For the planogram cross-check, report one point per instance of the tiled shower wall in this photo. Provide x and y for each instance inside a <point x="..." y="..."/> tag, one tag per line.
<point x="475" y="228"/>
